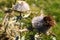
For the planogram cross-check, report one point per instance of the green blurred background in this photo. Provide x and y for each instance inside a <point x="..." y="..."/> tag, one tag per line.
<point x="51" y="7"/>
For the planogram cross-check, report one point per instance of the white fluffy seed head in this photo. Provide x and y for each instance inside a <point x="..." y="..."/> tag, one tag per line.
<point x="21" y="6"/>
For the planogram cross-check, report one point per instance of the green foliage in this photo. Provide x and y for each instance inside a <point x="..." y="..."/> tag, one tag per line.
<point x="51" y="7"/>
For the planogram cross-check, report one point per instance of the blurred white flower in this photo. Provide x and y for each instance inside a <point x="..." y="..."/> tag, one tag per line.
<point x="21" y="6"/>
